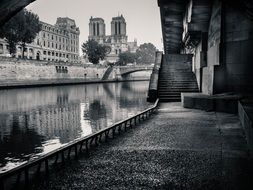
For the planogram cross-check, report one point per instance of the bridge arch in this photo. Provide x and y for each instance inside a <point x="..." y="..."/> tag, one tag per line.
<point x="134" y="71"/>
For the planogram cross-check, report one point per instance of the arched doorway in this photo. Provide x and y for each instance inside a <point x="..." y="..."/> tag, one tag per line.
<point x="38" y="56"/>
<point x="30" y="53"/>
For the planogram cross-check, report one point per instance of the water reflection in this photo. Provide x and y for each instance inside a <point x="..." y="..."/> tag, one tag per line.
<point x="38" y="120"/>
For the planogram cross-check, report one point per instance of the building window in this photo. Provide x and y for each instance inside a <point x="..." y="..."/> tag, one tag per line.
<point x="44" y="52"/>
<point x="119" y="28"/>
<point x="48" y="45"/>
<point x="56" y="46"/>
<point x="52" y="53"/>
<point x="44" y="43"/>
<point x="38" y="42"/>
<point x="52" y="37"/>
<point x="56" y="54"/>
<point x="44" y="35"/>
<point x="52" y="45"/>
<point x="98" y="29"/>
<point x="1" y="48"/>
<point x="94" y="29"/>
<point x="49" y="53"/>
<point x="116" y="28"/>
<point x="116" y="52"/>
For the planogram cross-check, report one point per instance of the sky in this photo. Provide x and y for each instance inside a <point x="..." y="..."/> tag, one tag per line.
<point x="142" y="16"/>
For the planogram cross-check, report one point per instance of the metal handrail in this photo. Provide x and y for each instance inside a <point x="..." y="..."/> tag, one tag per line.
<point x="88" y="140"/>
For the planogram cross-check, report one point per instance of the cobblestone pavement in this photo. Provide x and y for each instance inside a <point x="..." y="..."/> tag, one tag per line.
<point x="177" y="148"/>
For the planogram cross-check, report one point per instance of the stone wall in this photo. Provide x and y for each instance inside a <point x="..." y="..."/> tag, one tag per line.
<point x="229" y="51"/>
<point x="238" y="37"/>
<point x="16" y="70"/>
<point x="213" y="49"/>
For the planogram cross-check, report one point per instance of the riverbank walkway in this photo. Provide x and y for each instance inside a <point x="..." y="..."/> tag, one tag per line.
<point x="177" y="148"/>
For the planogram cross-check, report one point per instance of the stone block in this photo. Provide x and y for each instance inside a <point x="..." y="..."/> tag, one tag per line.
<point x="197" y="101"/>
<point x="245" y="112"/>
<point x="221" y="103"/>
<point x="207" y="80"/>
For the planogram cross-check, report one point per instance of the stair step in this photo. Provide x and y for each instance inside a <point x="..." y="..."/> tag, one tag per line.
<point x="175" y="78"/>
<point x="170" y="100"/>
<point x="169" y="95"/>
<point x="178" y="90"/>
<point x="178" y="82"/>
<point x="178" y="86"/>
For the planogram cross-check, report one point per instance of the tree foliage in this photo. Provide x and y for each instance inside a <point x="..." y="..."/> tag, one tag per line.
<point x="146" y="53"/>
<point x="127" y="57"/>
<point x="22" y="28"/>
<point x="95" y="51"/>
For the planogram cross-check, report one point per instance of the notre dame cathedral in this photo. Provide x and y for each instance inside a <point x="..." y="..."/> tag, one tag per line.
<point x="117" y="40"/>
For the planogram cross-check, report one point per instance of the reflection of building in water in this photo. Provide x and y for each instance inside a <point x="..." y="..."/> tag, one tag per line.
<point x="18" y="142"/>
<point x="85" y="122"/>
<point x="50" y="122"/>
<point x="4" y="125"/>
<point x="97" y="114"/>
<point x="57" y="121"/>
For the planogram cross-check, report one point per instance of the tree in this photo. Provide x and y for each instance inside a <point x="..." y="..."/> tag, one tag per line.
<point x="29" y="28"/>
<point x="9" y="31"/>
<point x="22" y="28"/>
<point x="95" y="51"/>
<point x="127" y="57"/>
<point x="146" y="53"/>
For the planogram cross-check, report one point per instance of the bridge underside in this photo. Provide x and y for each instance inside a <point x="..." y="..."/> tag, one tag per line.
<point x="8" y="8"/>
<point x="133" y="71"/>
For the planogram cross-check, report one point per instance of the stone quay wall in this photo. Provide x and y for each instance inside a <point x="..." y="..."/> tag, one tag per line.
<point x="20" y="72"/>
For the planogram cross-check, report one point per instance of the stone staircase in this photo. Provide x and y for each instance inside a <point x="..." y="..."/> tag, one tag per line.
<point x="107" y="73"/>
<point x="176" y="77"/>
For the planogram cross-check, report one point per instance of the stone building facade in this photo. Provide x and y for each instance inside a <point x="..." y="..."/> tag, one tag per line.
<point x="59" y="42"/>
<point x="118" y="40"/>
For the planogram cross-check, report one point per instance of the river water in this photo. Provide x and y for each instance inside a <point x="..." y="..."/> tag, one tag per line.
<point x="35" y="121"/>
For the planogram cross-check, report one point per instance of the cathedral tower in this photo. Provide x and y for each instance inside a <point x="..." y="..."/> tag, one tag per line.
<point x="118" y="26"/>
<point x="97" y="29"/>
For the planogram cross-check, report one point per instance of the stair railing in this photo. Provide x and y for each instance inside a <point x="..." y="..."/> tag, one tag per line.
<point x="153" y="83"/>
